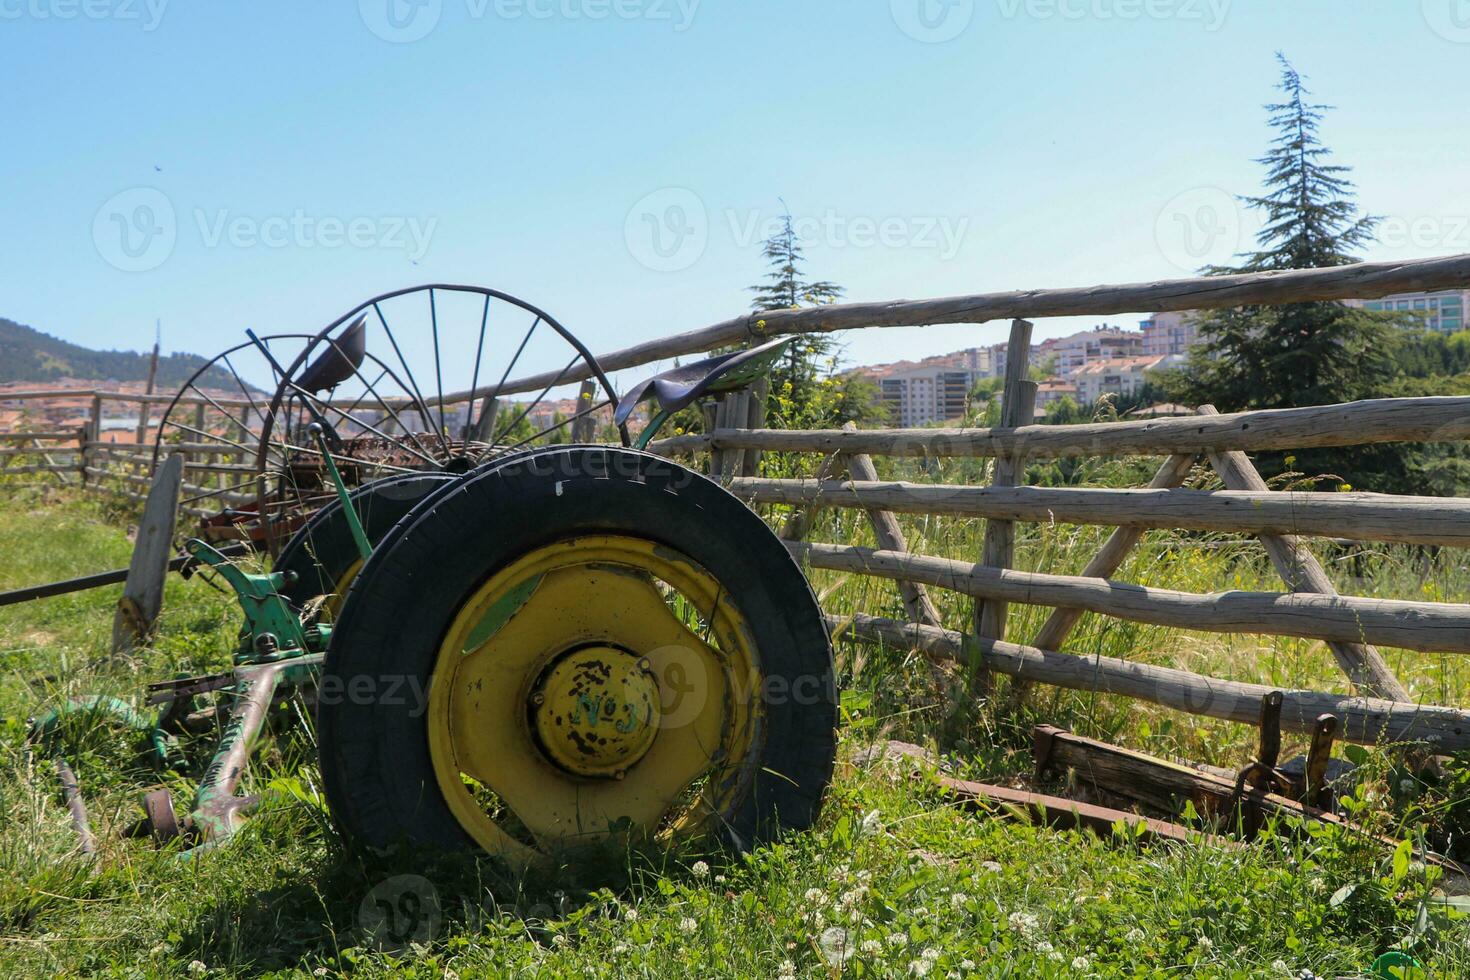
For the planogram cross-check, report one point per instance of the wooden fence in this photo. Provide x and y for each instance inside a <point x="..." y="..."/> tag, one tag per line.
<point x="1379" y="710"/>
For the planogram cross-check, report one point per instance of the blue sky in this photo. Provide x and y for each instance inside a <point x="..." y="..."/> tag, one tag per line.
<point x="270" y="164"/>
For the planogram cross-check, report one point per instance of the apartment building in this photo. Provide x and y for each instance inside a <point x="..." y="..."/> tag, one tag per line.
<point x="1120" y="376"/>
<point x="1169" y="333"/>
<point x="935" y="389"/>
<point x="1443" y="311"/>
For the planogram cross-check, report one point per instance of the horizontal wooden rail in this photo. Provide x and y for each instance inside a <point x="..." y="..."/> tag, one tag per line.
<point x="1426" y="626"/>
<point x="1366" y="280"/>
<point x="70" y="435"/>
<point x="41" y="468"/>
<point x="1369" y="721"/>
<point x="1352" y="424"/>
<point x="1362" y="516"/>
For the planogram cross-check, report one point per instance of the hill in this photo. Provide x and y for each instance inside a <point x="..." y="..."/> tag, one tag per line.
<point x="27" y="354"/>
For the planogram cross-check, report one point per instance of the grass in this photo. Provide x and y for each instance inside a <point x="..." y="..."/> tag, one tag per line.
<point x="895" y="881"/>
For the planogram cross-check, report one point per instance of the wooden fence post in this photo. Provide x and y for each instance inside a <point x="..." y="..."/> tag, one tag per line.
<point x="584" y="429"/>
<point x="755" y="418"/>
<point x="1301" y="572"/>
<point x="1018" y="407"/>
<point x="485" y="424"/>
<point x="142" y="598"/>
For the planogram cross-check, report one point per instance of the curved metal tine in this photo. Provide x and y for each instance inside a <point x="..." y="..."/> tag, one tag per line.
<point x="438" y="371"/>
<point x="413" y="385"/>
<point x="371" y="428"/>
<point x="216" y="492"/>
<point x="469" y="415"/>
<point x="537" y="400"/>
<point x="560" y="425"/>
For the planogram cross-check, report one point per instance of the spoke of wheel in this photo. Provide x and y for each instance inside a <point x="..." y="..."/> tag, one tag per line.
<point x="438" y="372"/>
<point x="211" y="435"/>
<point x="537" y="400"/>
<point x="511" y="366"/>
<point x="217" y="406"/>
<point x="475" y="378"/>
<point x="366" y="425"/>
<point x="413" y="385"/>
<point x="560" y="425"/>
<point x="383" y="402"/>
<point x="244" y="388"/>
<point x="313" y="451"/>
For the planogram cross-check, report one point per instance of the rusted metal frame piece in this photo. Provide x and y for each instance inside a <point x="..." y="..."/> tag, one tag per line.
<point x="1166" y="786"/>
<point x="1315" y="790"/>
<point x="1054" y="811"/>
<point x="1302" y="572"/>
<point x="1018" y="407"/>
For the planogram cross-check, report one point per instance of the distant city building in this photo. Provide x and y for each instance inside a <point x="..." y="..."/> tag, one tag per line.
<point x="1169" y="333"/>
<point x="1051" y="391"/>
<point x="1443" y="311"/>
<point x="1078" y="350"/>
<point x="936" y="389"/>
<point x="1122" y="376"/>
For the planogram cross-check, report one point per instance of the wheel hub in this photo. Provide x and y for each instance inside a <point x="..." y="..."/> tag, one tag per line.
<point x="595" y="711"/>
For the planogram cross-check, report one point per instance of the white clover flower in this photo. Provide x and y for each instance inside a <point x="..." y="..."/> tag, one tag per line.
<point x="836" y="945"/>
<point x="719" y="879"/>
<point x="815" y="896"/>
<point x="700" y="869"/>
<point x="1023" y="922"/>
<point x="1135" y="935"/>
<point x="853" y="897"/>
<point x="1280" y="966"/>
<point x="620" y="949"/>
<point x="1081" y="963"/>
<point x="899" y="939"/>
<point x="1054" y="956"/>
<point x="993" y="867"/>
<point x="931" y="954"/>
<point x="967" y="964"/>
<point x="197" y="967"/>
<point x="560" y="941"/>
<point x="631" y="915"/>
<point x="786" y="969"/>
<point x="688" y="926"/>
<point x="815" y="919"/>
<point x="1206" y="943"/>
<point x="871" y="947"/>
<point x="958" y="899"/>
<point x="872" y="823"/>
<point x="920" y="968"/>
<point x="1044" y="947"/>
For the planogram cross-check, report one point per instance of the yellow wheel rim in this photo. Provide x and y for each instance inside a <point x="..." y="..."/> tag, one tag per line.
<point x="333" y="604"/>
<point x="600" y="684"/>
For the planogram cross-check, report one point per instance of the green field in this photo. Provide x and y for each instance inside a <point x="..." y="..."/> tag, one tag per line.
<point x="895" y="881"/>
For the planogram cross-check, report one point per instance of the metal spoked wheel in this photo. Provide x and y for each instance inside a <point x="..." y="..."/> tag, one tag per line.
<point x="608" y="647"/>
<point x="216" y="419"/>
<point x="431" y="379"/>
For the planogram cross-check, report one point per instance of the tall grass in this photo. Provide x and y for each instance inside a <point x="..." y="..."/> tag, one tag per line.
<point x="910" y="884"/>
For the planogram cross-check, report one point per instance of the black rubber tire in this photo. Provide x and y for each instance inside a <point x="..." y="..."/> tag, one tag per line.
<point x="375" y="758"/>
<point x="323" y="550"/>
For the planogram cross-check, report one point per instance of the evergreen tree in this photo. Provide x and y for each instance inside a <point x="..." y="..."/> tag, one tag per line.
<point x="803" y="392"/>
<point x="1302" y="353"/>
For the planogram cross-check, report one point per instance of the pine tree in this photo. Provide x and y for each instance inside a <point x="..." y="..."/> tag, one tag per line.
<point x="794" y="382"/>
<point x="1302" y="353"/>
